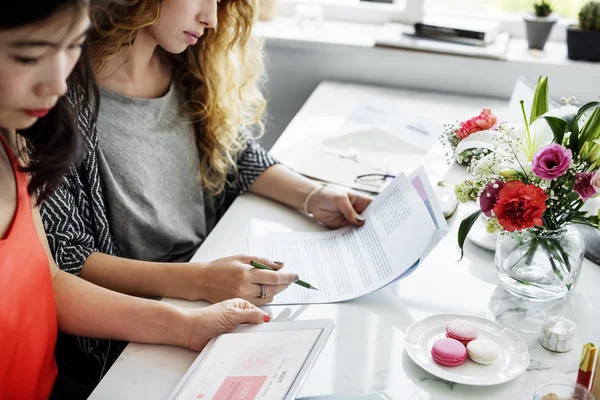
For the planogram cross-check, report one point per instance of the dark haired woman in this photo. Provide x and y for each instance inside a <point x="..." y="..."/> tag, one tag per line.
<point x="40" y="45"/>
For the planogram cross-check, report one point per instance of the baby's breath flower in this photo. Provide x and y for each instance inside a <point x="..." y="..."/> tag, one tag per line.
<point x="493" y="225"/>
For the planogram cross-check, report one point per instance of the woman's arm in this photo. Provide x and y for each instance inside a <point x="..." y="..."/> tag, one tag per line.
<point x="333" y="207"/>
<point x="214" y="281"/>
<point x="85" y="309"/>
<point x="80" y="250"/>
<point x="281" y="184"/>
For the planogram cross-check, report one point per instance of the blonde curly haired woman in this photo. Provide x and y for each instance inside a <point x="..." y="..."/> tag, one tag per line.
<point x="173" y="146"/>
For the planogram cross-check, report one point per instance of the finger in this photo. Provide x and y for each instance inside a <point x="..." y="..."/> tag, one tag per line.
<point x="360" y="202"/>
<point x="239" y="303"/>
<point x="252" y="316"/>
<point x="342" y="224"/>
<point x="276" y="265"/>
<point x="262" y="302"/>
<point x="272" y="277"/>
<point x="270" y="290"/>
<point x="348" y="211"/>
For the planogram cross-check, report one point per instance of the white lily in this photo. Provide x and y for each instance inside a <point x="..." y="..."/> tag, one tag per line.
<point x="514" y="145"/>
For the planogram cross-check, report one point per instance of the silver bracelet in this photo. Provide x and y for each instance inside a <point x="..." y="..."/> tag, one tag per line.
<point x="315" y="190"/>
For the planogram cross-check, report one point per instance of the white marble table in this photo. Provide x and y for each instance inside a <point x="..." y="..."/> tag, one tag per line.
<point x="365" y="351"/>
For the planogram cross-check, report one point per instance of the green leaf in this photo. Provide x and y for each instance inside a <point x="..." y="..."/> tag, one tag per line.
<point x="585" y="150"/>
<point x="591" y="129"/>
<point x="586" y="107"/>
<point x="540" y="99"/>
<point x="559" y="128"/>
<point x="574" y="139"/>
<point x="465" y="227"/>
<point x="524" y="282"/>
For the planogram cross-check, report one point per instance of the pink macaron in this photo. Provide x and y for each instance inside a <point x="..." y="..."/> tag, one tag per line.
<point x="461" y="330"/>
<point x="448" y="352"/>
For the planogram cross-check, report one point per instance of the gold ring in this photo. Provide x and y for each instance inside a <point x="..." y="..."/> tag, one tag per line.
<point x="262" y="291"/>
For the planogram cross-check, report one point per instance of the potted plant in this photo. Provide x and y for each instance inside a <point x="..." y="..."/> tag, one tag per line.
<point x="539" y="24"/>
<point x="583" y="39"/>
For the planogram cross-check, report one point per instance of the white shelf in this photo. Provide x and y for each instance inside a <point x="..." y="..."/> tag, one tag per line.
<point x="285" y="32"/>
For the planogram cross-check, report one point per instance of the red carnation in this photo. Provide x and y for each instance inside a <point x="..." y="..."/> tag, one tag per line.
<point x="520" y="206"/>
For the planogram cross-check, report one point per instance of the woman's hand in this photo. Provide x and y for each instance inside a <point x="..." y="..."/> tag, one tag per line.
<point x="206" y="323"/>
<point x="337" y="208"/>
<point x="234" y="277"/>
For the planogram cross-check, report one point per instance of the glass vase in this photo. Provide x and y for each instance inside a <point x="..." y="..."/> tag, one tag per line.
<point x="540" y="265"/>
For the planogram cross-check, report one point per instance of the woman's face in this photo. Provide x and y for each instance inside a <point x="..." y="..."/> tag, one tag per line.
<point x="182" y="22"/>
<point x="35" y="62"/>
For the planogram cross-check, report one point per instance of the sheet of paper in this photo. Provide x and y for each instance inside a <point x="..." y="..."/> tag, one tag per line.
<point x="258" y="362"/>
<point x="353" y="261"/>
<point x="399" y="131"/>
<point x="421" y="183"/>
<point x="332" y="165"/>
<point x="375" y="135"/>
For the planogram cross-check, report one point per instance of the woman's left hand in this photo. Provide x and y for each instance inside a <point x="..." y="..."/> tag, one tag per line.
<point x="336" y="208"/>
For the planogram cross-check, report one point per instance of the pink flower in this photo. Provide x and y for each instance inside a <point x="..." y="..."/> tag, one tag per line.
<point x="551" y="162"/>
<point x="484" y="121"/>
<point x="583" y="185"/>
<point x="596" y="183"/>
<point x="489" y="196"/>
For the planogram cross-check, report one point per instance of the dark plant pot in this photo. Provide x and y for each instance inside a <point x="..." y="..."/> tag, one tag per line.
<point x="583" y="44"/>
<point x="538" y="30"/>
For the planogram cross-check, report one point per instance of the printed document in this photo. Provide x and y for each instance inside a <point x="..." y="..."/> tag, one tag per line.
<point x="375" y="135"/>
<point x="267" y="361"/>
<point x="403" y="224"/>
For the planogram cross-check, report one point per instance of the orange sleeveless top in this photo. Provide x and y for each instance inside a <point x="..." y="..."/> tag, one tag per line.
<point x="28" y="326"/>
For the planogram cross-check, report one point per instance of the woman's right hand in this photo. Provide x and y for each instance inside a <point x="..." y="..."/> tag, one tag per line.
<point x="209" y="322"/>
<point x="234" y="277"/>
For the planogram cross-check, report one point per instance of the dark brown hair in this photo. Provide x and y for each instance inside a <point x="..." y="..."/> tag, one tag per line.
<point x="54" y="142"/>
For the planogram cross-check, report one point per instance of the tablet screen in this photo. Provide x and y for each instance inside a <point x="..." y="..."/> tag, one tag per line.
<point x="250" y="365"/>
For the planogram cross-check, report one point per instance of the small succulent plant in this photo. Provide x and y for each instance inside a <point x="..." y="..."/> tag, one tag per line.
<point x="542" y="8"/>
<point x="589" y="16"/>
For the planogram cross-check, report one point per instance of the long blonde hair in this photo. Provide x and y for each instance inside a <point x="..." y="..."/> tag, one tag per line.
<point x="220" y="76"/>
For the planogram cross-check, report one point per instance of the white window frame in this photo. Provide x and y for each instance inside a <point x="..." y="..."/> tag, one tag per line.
<point x="411" y="11"/>
<point x="406" y="11"/>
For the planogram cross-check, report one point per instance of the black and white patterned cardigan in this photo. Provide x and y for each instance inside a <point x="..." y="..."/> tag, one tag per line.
<point x="76" y="221"/>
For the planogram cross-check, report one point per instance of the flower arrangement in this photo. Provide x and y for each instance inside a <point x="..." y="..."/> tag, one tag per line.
<point x="535" y="178"/>
<point x="455" y="133"/>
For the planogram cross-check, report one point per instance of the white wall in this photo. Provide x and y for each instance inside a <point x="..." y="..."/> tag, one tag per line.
<point x="294" y="70"/>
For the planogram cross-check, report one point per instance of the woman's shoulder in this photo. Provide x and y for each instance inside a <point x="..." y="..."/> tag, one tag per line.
<point x="80" y="96"/>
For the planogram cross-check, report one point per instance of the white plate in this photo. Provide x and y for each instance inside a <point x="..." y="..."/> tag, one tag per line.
<point x="480" y="236"/>
<point x="512" y="361"/>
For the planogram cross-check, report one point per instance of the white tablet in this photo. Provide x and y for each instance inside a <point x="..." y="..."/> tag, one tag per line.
<point x="268" y="362"/>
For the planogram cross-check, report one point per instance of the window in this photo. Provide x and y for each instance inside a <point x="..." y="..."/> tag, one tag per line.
<point x="564" y="8"/>
<point x="366" y="11"/>
<point x="508" y="12"/>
